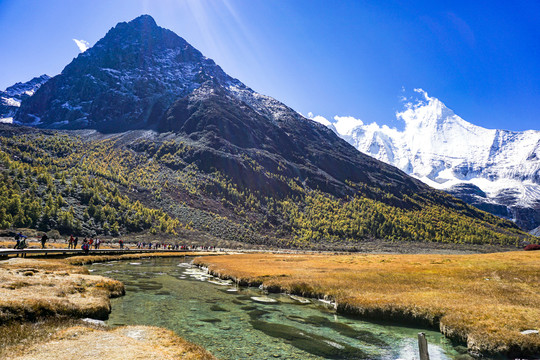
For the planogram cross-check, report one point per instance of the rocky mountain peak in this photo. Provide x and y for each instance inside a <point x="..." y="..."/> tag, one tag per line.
<point x="140" y="43"/>
<point x="27" y="88"/>
<point x="127" y="80"/>
<point x="144" y="20"/>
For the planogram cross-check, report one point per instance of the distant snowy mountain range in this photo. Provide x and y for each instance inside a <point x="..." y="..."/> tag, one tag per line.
<point x="11" y="98"/>
<point x="495" y="170"/>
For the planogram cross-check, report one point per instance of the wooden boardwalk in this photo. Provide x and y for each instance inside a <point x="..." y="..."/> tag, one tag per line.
<point x="4" y="253"/>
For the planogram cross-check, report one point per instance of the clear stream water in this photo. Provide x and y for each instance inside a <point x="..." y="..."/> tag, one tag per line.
<point x="242" y="323"/>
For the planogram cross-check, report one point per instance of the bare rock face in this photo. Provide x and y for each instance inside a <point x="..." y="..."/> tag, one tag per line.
<point x="473" y="195"/>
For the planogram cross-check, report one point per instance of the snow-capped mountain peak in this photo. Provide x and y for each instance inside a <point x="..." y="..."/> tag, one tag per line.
<point x="429" y="113"/>
<point x="445" y="151"/>
<point x="11" y="98"/>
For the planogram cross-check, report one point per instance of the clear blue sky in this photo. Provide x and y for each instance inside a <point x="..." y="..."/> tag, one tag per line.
<point x="353" y="58"/>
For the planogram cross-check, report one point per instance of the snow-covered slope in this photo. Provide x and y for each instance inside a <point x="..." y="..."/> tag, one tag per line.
<point x="10" y="99"/>
<point x="500" y="168"/>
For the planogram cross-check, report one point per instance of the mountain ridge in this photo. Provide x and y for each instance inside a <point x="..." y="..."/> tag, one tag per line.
<point x="197" y="79"/>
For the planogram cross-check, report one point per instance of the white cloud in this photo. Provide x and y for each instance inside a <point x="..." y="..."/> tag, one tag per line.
<point x="422" y="92"/>
<point x="82" y="45"/>
<point x="345" y="124"/>
<point x="318" y="118"/>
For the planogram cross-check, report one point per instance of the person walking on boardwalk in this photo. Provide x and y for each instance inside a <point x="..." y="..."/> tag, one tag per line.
<point x="44" y="239"/>
<point x="85" y="246"/>
<point x="21" y="241"/>
<point x="22" y="245"/>
<point x="70" y="242"/>
<point x="18" y="240"/>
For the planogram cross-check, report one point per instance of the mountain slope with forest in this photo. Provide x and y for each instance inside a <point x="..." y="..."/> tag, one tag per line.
<point x="203" y="151"/>
<point x="142" y="181"/>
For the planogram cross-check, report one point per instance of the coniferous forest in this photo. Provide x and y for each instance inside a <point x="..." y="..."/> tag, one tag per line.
<point x="87" y="184"/>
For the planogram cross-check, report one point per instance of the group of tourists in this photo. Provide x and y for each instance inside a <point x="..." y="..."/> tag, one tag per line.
<point x="20" y="241"/>
<point x="157" y="245"/>
<point x="88" y="243"/>
<point x="72" y="242"/>
<point x="166" y="246"/>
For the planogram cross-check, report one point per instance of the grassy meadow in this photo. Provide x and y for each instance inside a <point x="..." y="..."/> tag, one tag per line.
<point x="483" y="300"/>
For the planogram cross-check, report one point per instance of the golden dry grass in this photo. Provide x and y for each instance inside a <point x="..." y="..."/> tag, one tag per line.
<point x="484" y="300"/>
<point x="35" y="288"/>
<point x="16" y="336"/>
<point x="130" y="342"/>
<point x="32" y="289"/>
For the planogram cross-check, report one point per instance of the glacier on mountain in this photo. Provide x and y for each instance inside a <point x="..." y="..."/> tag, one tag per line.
<point x="446" y="152"/>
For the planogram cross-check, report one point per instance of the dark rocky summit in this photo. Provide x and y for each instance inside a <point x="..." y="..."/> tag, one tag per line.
<point x="126" y="81"/>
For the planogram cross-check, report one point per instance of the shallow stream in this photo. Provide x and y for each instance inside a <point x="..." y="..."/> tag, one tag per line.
<point x="243" y="323"/>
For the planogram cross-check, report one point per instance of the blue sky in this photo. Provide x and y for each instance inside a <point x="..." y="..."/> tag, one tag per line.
<point x="348" y="58"/>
